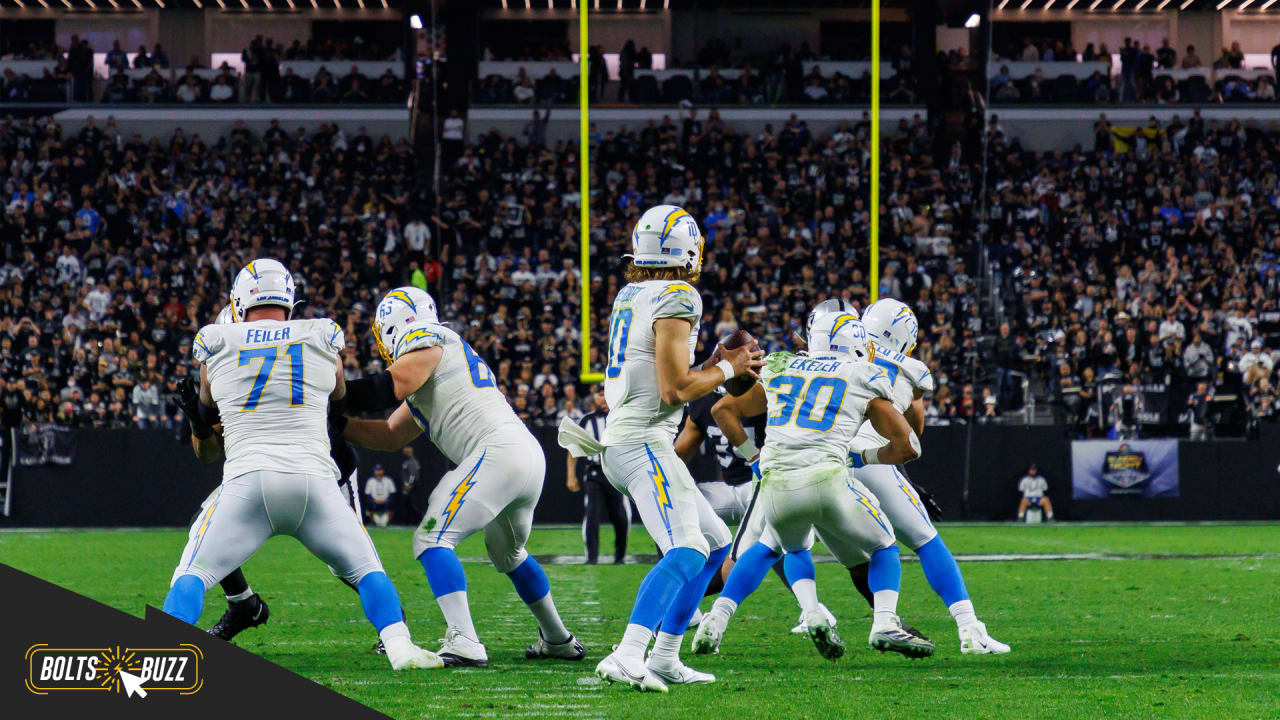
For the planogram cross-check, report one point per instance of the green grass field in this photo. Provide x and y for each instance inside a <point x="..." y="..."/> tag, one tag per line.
<point x="1123" y="635"/>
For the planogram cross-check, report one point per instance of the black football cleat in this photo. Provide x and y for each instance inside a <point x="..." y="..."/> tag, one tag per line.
<point x="241" y="616"/>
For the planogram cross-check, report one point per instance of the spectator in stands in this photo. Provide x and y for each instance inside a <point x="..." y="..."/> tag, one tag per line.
<point x="252" y="58"/>
<point x="117" y="60"/>
<point x="140" y="59"/>
<point x="626" y="70"/>
<point x="159" y="58"/>
<point x="1166" y="56"/>
<point x="1191" y="59"/>
<point x="1030" y="53"/>
<point x="1256" y="364"/>
<point x="221" y="91"/>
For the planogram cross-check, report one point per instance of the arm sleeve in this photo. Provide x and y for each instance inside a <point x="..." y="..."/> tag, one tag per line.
<point x="921" y="377"/>
<point x="207" y="343"/>
<point x="678" y="300"/>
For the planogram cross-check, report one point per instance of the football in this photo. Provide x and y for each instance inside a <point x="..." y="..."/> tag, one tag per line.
<point x="739" y="385"/>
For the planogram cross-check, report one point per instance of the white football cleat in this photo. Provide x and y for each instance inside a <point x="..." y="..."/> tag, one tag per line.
<point x="629" y="671"/>
<point x="710" y="631"/>
<point x="974" y="640"/>
<point x="404" y="655"/>
<point x="459" y="650"/>
<point x="680" y="674"/>
<point x="823" y="634"/>
<point x="802" y="629"/>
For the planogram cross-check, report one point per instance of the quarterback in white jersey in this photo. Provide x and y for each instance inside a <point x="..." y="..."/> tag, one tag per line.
<point x="648" y="380"/>
<point x="815" y="405"/>
<point x="892" y="330"/>
<point x="443" y="388"/>
<point x="278" y="477"/>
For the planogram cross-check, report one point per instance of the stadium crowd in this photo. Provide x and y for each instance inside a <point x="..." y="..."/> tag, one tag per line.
<point x="1148" y="261"/>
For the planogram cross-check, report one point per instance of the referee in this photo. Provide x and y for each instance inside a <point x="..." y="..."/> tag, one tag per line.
<point x="601" y="496"/>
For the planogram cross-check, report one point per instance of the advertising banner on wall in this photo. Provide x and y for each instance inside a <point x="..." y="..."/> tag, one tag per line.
<point x="1105" y="468"/>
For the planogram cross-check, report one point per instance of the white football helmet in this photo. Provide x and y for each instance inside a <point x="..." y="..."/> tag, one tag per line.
<point x="892" y="324"/>
<point x="834" y="305"/>
<point x="262" y="282"/>
<point x="225" y="316"/>
<point x="667" y="236"/>
<point x="400" y="309"/>
<point x="838" y="332"/>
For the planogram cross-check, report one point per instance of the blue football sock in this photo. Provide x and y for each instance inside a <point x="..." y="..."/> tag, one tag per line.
<point x="748" y="572"/>
<point x="660" y="587"/>
<point x="444" y="570"/>
<point x="530" y="581"/>
<point x="380" y="600"/>
<point x="942" y="572"/>
<point x="885" y="572"/>
<point x="185" y="600"/>
<point x="798" y="566"/>
<point x="780" y="569"/>
<point x="676" y="621"/>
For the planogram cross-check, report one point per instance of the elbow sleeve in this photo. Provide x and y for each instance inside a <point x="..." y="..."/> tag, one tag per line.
<point x="371" y="393"/>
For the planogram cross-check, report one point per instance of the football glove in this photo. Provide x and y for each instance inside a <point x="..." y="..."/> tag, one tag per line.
<point x="187" y="397"/>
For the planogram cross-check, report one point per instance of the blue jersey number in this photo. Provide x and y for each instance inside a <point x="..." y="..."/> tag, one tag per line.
<point x="268" y="357"/>
<point x="619" y="331"/>
<point x="808" y="405"/>
<point x="481" y="376"/>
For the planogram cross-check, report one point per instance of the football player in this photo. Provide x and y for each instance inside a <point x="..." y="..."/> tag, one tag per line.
<point x="245" y="608"/>
<point x="730" y="492"/>
<point x="648" y="381"/>
<point x="439" y="385"/>
<point x="892" y="332"/>
<point x="815" y="405"/>
<point x="278" y="477"/>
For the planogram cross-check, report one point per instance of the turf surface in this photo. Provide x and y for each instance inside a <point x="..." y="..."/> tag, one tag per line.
<point x="1175" y="637"/>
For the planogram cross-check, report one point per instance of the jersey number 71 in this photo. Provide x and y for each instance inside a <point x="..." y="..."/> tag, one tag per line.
<point x="268" y="357"/>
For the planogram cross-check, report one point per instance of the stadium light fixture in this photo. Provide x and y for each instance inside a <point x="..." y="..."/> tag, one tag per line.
<point x="1223" y="4"/>
<point x="415" y="22"/>
<point x="973" y="21"/>
<point x="223" y="5"/>
<point x="527" y="4"/>
<point x="138" y="4"/>
<point x="244" y="4"/>
<point x="291" y="5"/>
<point x="597" y="4"/>
<point x="1002" y="4"/>
<point x="199" y="5"/>
<point x="642" y="3"/>
<point x="90" y="4"/>
<point x="1072" y="4"/>
<point x="44" y="3"/>
<point x="20" y="4"/>
<point x="1117" y="5"/>
<point x="1268" y="4"/>
<point x="361" y="2"/>
<point x="1244" y="5"/>
<point x="619" y="4"/>
<point x="1025" y="3"/>
<point x="666" y="4"/>
<point x="1140" y="4"/>
<point x="337" y="4"/>
<point x="160" y="3"/>
<point x="1184" y="4"/>
<point x="1095" y="4"/>
<point x="64" y="2"/>
<point x="1162" y="4"/>
<point x="268" y="4"/>
<point x="114" y="4"/>
<point x="1048" y="5"/>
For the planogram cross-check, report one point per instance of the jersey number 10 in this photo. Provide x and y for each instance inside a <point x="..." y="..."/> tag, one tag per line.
<point x="268" y="357"/>
<point x="619" y="332"/>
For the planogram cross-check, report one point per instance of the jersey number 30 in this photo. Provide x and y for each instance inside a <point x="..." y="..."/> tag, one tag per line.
<point x="807" y="399"/>
<point x="268" y="357"/>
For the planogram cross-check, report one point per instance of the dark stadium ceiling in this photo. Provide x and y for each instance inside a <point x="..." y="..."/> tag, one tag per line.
<point x="109" y="6"/>
<point x="1142" y="6"/>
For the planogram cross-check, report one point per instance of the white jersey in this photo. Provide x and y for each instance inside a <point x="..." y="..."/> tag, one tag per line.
<point x="910" y="379"/>
<point x="816" y="403"/>
<point x="1033" y="486"/>
<point x="637" y="413"/>
<point x="460" y="405"/>
<point x="271" y="381"/>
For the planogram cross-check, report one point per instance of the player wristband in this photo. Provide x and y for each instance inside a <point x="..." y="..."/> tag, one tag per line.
<point x="726" y="367"/>
<point x="747" y="450"/>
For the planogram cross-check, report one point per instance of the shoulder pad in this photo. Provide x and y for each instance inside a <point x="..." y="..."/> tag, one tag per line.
<point x="331" y="335"/>
<point x="876" y="379"/>
<point x="679" y="300"/>
<point x="420" y="336"/>
<point x="207" y="343"/>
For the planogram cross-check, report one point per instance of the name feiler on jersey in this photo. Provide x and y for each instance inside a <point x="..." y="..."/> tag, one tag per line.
<point x="460" y="404"/>
<point x="910" y="379"/>
<point x="271" y="380"/>
<point x="815" y="406"/>
<point x="637" y="413"/>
